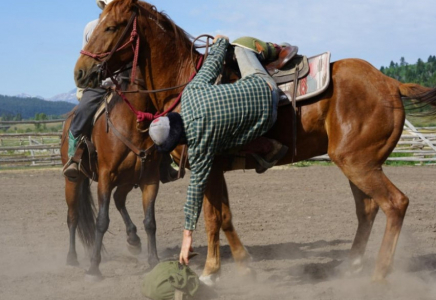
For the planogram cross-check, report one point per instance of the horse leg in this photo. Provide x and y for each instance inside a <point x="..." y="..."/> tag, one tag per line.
<point x="366" y="211"/>
<point x="133" y="240"/>
<point x="374" y="183"/>
<point x="212" y="208"/>
<point x="71" y="197"/>
<point x="239" y="252"/>
<point x="102" y="225"/>
<point x="149" y="194"/>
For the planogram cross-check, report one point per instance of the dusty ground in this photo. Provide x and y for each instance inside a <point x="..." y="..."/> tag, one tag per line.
<point x="298" y="224"/>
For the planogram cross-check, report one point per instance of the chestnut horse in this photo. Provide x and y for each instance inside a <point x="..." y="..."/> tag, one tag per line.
<point x="357" y="121"/>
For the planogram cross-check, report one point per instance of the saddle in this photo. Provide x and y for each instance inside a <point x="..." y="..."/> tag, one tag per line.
<point x="286" y="67"/>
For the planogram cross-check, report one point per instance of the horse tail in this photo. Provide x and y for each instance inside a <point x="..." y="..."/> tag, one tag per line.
<point x="86" y="210"/>
<point x="419" y="94"/>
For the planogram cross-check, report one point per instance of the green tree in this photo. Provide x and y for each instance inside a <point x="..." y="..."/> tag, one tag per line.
<point x="403" y="62"/>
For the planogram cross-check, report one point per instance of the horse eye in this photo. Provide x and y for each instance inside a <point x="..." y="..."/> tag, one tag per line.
<point x="111" y="28"/>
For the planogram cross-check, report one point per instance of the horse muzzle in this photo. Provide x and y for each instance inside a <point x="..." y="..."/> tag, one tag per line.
<point x="89" y="78"/>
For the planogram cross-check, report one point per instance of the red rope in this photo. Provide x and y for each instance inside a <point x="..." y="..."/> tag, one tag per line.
<point x="133" y="35"/>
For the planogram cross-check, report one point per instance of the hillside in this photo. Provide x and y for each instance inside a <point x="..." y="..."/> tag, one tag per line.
<point x="27" y="107"/>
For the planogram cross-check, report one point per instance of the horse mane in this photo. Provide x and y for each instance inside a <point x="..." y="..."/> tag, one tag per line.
<point x="159" y="18"/>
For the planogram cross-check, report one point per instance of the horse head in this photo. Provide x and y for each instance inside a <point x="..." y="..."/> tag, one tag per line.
<point x="124" y="27"/>
<point x="109" y="47"/>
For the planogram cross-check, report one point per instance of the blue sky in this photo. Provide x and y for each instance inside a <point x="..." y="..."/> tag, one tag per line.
<point x="41" y="40"/>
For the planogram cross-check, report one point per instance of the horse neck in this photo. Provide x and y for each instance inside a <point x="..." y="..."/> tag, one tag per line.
<point x="166" y="65"/>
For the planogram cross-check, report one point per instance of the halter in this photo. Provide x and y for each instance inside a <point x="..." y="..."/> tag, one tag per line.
<point x="106" y="56"/>
<point x="135" y="41"/>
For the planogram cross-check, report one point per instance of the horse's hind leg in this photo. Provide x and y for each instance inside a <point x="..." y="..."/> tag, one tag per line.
<point x="366" y="210"/>
<point x="212" y="208"/>
<point x="133" y="240"/>
<point x="71" y="197"/>
<point x="374" y="183"/>
<point x="239" y="252"/>
<point x="149" y="194"/>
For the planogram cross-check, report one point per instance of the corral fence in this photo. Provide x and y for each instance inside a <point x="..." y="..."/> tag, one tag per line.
<point x="417" y="145"/>
<point x="30" y="149"/>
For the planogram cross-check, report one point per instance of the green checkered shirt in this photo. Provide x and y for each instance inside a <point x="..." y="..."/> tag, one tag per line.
<point x="218" y="118"/>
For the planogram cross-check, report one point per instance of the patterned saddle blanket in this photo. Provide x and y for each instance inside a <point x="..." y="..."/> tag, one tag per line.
<point x="314" y="76"/>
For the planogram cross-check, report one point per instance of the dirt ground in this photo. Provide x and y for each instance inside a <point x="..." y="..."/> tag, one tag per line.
<point x="297" y="223"/>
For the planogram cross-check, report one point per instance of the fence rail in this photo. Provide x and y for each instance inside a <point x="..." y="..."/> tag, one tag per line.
<point x="30" y="149"/>
<point x="31" y="122"/>
<point x="416" y="145"/>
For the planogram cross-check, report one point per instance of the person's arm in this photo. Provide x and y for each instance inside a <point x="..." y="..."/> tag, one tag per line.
<point x="213" y="64"/>
<point x="201" y="164"/>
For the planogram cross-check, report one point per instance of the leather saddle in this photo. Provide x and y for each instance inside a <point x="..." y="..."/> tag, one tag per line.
<point x="287" y="65"/>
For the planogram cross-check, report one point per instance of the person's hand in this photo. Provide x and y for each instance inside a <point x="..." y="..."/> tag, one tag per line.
<point x="186" y="247"/>
<point x="218" y="36"/>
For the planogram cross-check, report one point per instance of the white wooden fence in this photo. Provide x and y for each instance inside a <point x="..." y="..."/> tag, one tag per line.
<point x="416" y="145"/>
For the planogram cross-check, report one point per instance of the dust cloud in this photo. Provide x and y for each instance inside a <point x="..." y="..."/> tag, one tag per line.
<point x="298" y="224"/>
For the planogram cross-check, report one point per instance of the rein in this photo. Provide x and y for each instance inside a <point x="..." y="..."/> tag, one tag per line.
<point x="146" y="116"/>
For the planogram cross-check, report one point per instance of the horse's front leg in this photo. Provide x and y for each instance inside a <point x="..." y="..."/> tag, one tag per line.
<point x="149" y="194"/>
<point x="102" y="224"/>
<point x="133" y="240"/>
<point x="212" y="209"/>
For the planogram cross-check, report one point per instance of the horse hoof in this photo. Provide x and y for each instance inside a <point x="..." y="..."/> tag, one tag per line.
<point x="134" y="249"/>
<point x="93" y="278"/>
<point x="152" y="262"/>
<point x="93" y="275"/>
<point x="248" y="273"/>
<point x="379" y="281"/>
<point x="72" y="261"/>
<point x="209" y="280"/>
<point x="351" y="268"/>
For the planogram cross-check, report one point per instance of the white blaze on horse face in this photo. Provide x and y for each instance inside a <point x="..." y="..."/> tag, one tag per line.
<point x="101" y="21"/>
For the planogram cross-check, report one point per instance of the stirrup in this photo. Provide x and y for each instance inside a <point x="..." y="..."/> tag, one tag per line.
<point x="71" y="170"/>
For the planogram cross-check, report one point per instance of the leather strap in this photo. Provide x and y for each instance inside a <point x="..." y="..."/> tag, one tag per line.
<point x="139" y="152"/>
<point x="182" y="163"/>
<point x="294" y="114"/>
<point x="92" y="155"/>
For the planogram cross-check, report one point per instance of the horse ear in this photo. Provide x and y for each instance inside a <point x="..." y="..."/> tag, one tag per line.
<point x="134" y="4"/>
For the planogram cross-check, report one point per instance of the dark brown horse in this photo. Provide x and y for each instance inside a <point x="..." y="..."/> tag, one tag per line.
<point x="357" y="121"/>
<point x="125" y="160"/>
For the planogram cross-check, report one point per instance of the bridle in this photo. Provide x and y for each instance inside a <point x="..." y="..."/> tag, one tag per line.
<point x="104" y="71"/>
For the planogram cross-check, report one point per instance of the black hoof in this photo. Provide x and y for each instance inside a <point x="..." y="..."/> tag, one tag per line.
<point x="153" y="262"/>
<point x="134" y="249"/>
<point x="72" y="260"/>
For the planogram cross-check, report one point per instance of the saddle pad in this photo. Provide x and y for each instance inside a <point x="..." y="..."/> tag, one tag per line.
<point x="314" y="83"/>
<point x="102" y="106"/>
